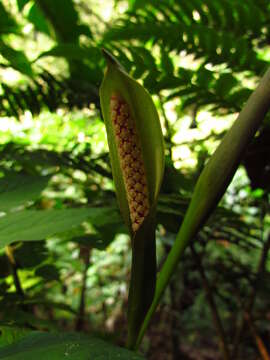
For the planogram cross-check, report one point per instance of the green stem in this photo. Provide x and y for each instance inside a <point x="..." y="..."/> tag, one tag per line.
<point x="143" y="278"/>
<point x="212" y="184"/>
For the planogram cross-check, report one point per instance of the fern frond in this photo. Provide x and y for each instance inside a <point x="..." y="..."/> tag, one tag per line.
<point x="46" y="91"/>
<point x="218" y="32"/>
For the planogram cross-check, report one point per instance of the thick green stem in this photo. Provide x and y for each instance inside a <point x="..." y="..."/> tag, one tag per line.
<point x="143" y="278"/>
<point x="213" y="182"/>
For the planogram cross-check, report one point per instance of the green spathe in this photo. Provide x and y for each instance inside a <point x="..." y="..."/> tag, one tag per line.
<point x="146" y="119"/>
<point x="148" y="129"/>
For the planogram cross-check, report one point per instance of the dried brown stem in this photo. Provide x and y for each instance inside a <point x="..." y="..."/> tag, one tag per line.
<point x="258" y="340"/>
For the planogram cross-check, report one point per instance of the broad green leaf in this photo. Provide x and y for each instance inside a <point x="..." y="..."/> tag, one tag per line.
<point x="16" y="189"/>
<point x="31" y="225"/>
<point x="71" y="346"/>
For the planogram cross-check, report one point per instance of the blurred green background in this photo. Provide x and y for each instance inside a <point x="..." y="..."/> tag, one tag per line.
<point x="200" y="60"/>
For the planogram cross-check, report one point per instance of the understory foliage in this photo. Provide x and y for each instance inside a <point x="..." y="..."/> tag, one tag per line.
<point x="68" y="269"/>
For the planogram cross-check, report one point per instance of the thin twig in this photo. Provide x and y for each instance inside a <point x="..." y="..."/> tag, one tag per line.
<point x="213" y="308"/>
<point x="250" y="303"/>
<point x="177" y="352"/>
<point x="81" y="312"/>
<point x="258" y="340"/>
<point x="167" y="125"/>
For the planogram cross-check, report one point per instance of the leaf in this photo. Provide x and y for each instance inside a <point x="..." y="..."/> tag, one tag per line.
<point x="7" y="23"/>
<point x="16" y="189"/>
<point x="11" y="334"/>
<point x="96" y="241"/>
<point x="166" y="62"/>
<point x="29" y="255"/>
<point x="69" y="346"/>
<point x="31" y="225"/>
<point x="225" y="84"/>
<point x="72" y="51"/>
<point x="36" y="17"/>
<point x="66" y="26"/>
<point x="84" y="30"/>
<point x="16" y="59"/>
<point x="48" y="272"/>
<point x="21" y="4"/>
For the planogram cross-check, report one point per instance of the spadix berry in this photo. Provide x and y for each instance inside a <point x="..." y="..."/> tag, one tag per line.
<point x="130" y="156"/>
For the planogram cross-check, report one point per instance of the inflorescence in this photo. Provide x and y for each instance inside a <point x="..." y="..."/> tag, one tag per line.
<point x="131" y="160"/>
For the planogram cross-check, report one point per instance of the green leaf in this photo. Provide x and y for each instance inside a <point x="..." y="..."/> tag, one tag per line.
<point x="48" y="272"/>
<point x="96" y="241"/>
<point x="16" y="189"/>
<point x="66" y="26"/>
<point x="225" y="84"/>
<point x="36" y="17"/>
<point x="72" y="51"/>
<point x="11" y="334"/>
<point x="16" y="59"/>
<point x="21" y="4"/>
<point x="29" y="255"/>
<point x="69" y="346"/>
<point x="7" y="23"/>
<point x="31" y="225"/>
<point x="166" y="62"/>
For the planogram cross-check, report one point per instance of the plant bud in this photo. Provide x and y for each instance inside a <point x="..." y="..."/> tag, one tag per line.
<point x="133" y="180"/>
<point x="135" y="143"/>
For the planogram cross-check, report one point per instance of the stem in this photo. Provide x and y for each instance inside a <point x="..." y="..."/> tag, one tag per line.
<point x="81" y="312"/>
<point x="252" y="298"/>
<point x="167" y="125"/>
<point x="13" y="266"/>
<point x="213" y="182"/>
<point x="211" y="301"/>
<point x="143" y="278"/>
<point x="258" y="340"/>
<point x="177" y="352"/>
